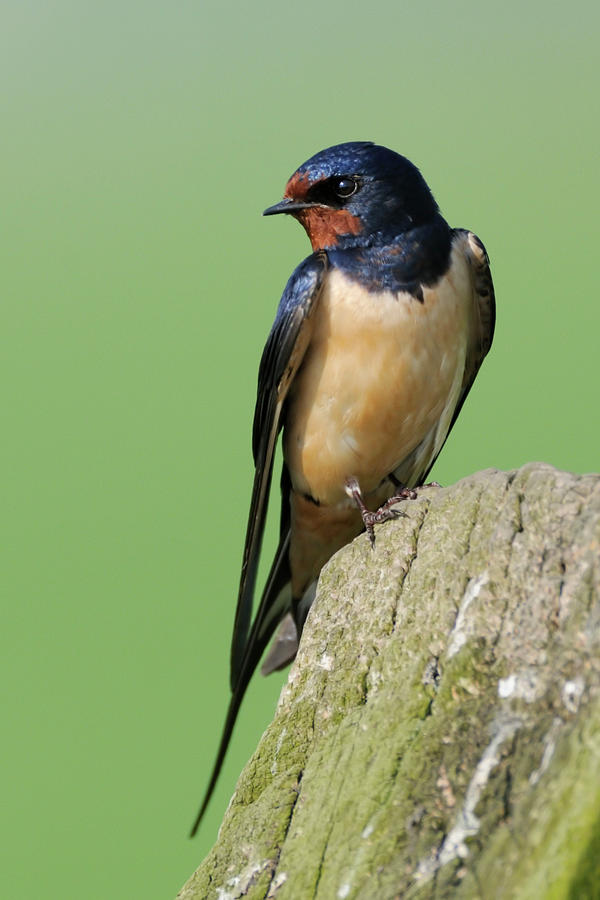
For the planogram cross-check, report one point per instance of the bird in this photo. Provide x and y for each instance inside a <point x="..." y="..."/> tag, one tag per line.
<point x="376" y="342"/>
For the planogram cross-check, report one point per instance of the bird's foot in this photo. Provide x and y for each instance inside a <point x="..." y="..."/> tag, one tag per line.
<point x="385" y="511"/>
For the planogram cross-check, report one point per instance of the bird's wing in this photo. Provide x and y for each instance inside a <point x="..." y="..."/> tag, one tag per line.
<point x="485" y="320"/>
<point x="283" y="353"/>
<point x="416" y="467"/>
<point x="281" y="358"/>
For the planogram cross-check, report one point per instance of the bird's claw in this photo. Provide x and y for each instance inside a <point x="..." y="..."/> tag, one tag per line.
<point x="385" y="511"/>
<point x="402" y="494"/>
<point x="383" y="514"/>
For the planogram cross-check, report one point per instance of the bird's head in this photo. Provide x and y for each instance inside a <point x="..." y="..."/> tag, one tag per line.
<point x="356" y="194"/>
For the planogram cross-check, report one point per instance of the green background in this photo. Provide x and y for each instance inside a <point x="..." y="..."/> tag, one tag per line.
<point x="140" y="143"/>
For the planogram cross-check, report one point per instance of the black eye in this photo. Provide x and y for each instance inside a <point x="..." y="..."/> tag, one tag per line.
<point x="333" y="191"/>
<point x="345" y="186"/>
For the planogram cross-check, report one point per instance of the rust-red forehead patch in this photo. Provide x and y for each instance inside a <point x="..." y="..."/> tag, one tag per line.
<point x="297" y="187"/>
<point x="324" y="226"/>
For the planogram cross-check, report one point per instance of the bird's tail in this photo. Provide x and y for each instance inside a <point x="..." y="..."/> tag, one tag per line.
<point x="275" y="603"/>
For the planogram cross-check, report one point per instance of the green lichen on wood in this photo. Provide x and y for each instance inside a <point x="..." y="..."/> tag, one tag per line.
<point x="439" y="733"/>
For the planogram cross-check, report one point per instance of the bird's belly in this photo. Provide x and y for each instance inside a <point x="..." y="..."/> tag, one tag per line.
<point x="380" y="372"/>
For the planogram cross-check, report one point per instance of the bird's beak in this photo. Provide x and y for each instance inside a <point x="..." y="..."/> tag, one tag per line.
<point x="288" y="205"/>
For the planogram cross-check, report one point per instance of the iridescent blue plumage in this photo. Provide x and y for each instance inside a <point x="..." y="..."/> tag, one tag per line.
<point x="377" y="339"/>
<point x="393" y="195"/>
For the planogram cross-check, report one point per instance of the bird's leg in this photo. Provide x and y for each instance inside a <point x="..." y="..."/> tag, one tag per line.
<point x="383" y="514"/>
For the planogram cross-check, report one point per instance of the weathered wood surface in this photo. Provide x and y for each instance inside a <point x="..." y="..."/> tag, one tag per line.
<point x="439" y="733"/>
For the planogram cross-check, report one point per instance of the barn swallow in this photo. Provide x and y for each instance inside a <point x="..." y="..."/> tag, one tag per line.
<point x="377" y="340"/>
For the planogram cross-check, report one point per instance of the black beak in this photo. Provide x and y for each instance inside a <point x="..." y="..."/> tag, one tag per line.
<point x="287" y="206"/>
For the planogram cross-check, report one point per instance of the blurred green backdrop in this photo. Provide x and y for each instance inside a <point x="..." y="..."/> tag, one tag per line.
<point x="141" y="142"/>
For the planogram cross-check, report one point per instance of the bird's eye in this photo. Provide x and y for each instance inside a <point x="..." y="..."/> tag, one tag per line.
<point x="333" y="191"/>
<point x="345" y="186"/>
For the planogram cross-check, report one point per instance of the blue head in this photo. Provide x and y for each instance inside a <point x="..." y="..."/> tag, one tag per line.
<point x="357" y="194"/>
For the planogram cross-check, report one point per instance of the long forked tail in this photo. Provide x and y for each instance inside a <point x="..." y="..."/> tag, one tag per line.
<point x="275" y="602"/>
<point x="232" y="713"/>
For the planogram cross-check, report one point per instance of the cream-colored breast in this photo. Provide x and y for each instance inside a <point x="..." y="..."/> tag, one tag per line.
<point x="380" y="372"/>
